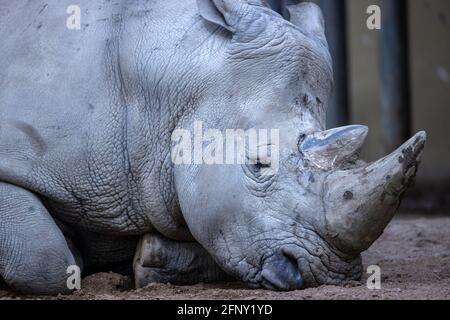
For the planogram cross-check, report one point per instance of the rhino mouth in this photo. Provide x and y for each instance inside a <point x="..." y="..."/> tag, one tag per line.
<point x="301" y="262"/>
<point x="285" y="273"/>
<point x="282" y="273"/>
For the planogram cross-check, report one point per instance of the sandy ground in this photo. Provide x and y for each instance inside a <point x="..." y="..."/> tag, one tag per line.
<point x="413" y="254"/>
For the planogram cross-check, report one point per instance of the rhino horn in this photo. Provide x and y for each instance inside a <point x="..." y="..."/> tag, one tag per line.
<point x="359" y="203"/>
<point x="333" y="148"/>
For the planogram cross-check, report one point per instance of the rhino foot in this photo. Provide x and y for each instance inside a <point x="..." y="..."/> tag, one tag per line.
<point x="161" y="260"/>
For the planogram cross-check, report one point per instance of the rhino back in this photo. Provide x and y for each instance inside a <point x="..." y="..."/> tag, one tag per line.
<point x="83" y="119"/>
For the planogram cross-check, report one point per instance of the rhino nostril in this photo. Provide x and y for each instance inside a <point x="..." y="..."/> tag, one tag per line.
<point x="281" y="272"/>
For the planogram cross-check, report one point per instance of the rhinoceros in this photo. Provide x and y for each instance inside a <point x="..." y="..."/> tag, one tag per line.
<point x="87" y="117"/>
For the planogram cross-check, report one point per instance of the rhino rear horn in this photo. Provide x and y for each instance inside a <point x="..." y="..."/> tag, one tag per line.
<point x="333" y="148"/>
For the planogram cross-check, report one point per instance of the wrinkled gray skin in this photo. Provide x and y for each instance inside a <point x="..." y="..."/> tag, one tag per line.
<point x="86" y="119"/>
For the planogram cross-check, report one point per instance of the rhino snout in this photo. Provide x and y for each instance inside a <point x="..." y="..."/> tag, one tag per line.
<point x="281" y="272"/>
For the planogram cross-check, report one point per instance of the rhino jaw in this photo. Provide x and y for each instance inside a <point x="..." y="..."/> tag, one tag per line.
<point x="359" y="203"/>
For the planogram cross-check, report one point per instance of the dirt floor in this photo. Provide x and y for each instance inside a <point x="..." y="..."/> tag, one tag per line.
<point x="413" y="254"/>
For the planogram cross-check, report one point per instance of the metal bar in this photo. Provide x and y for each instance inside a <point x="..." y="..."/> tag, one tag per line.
<point x="394" y="64"/>
<point x="334" y="12"/>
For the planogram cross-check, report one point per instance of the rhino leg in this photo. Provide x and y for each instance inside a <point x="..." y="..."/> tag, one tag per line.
<point x="161" y="260"/>
<point x="34" y="254"/>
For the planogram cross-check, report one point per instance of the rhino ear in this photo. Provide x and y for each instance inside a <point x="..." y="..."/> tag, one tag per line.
<point x="231" y="14"/>
<point x="218" y="12"/>
<point x="308" y="17"/>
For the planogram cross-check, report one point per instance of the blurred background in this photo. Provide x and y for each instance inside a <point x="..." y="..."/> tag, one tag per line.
<point x="395" y="80"/>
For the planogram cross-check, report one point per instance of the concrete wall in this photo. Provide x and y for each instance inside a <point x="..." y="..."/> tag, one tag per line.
<point x="430" y="71"/>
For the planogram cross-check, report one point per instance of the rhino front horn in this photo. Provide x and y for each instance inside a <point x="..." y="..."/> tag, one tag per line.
<point x="359" y="203"/>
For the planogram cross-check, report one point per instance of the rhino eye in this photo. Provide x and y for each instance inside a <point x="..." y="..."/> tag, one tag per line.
<point x="257" y="174"/>
<point x="257" y="168"/>
<point x="260" y="165"/>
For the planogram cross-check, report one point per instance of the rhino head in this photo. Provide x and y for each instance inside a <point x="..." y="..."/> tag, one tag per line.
<point x="306" y="224"/>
